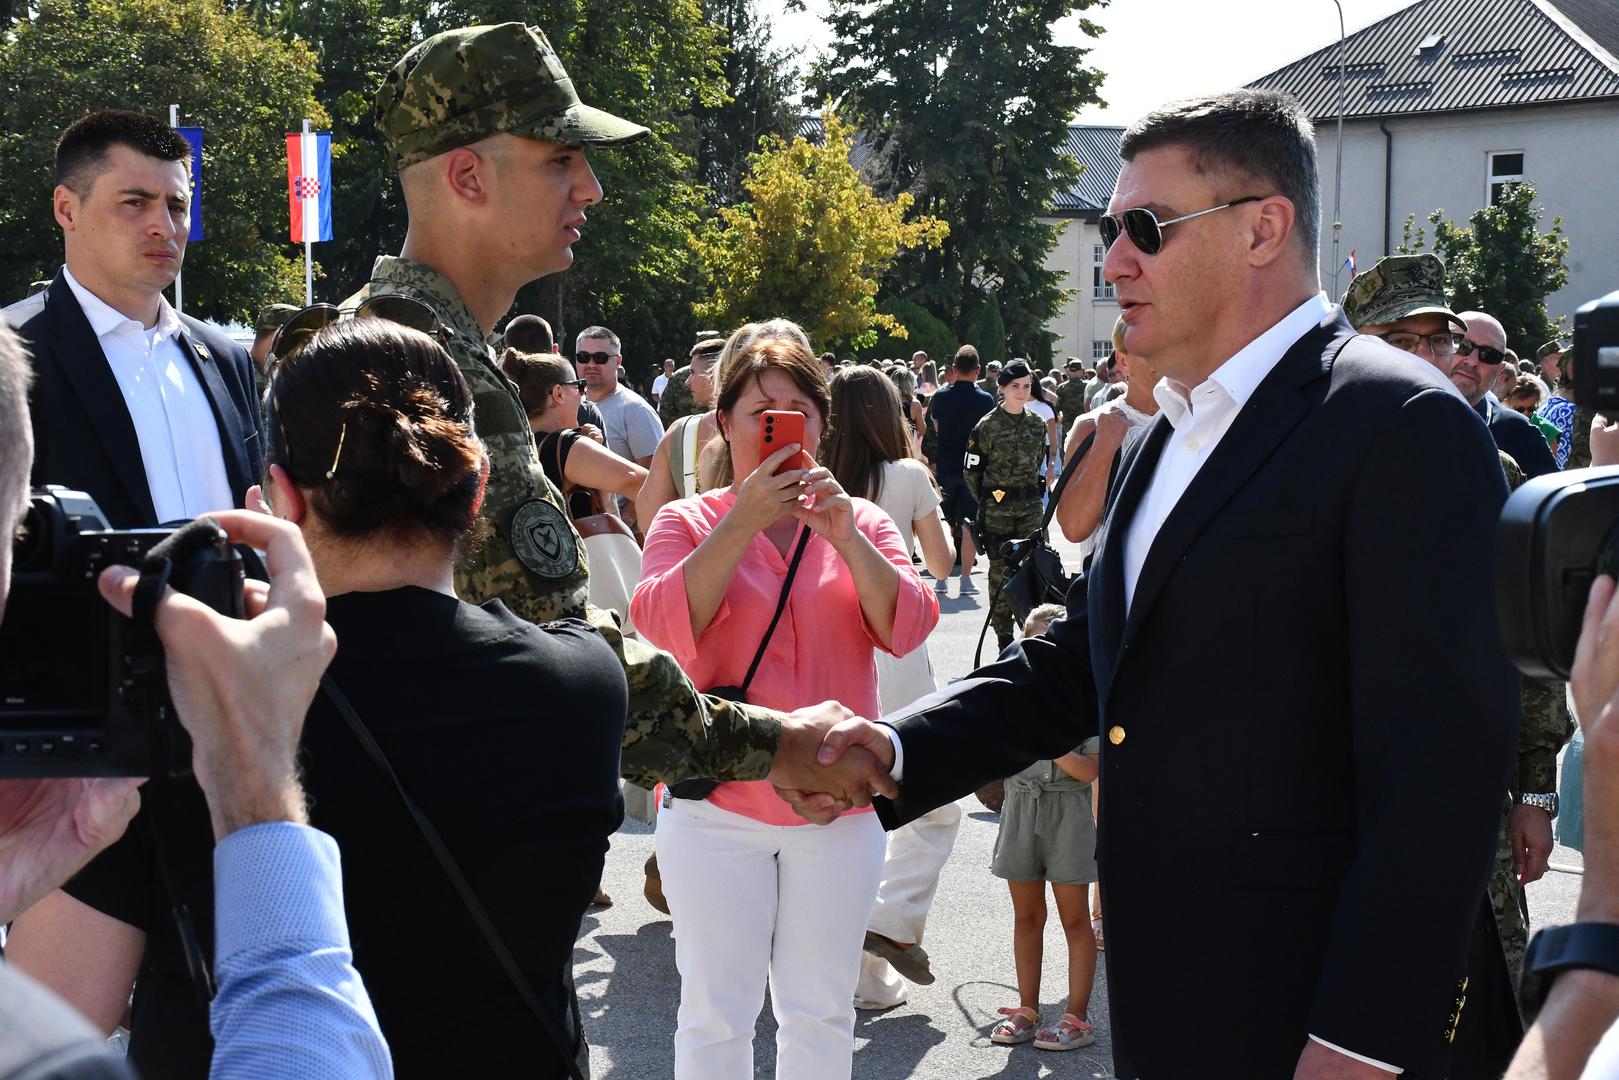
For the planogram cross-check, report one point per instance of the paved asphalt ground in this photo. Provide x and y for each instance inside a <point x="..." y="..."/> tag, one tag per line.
<point x="629" y="989"/>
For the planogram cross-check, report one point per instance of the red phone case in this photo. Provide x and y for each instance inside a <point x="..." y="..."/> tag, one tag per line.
<point x="779" y="428"/>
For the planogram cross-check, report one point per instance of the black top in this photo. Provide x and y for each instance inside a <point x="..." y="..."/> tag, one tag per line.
<point x="1516" y="435"/>
<point x="507" y="735"/>
<point x="580" y="504"/>
<point x="955" y="411"/>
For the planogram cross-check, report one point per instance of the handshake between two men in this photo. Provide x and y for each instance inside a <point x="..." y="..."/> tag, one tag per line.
<point x="830" y="760"/>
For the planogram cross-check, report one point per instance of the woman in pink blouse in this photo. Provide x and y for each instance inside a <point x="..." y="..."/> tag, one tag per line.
<point x="756" y="893"/>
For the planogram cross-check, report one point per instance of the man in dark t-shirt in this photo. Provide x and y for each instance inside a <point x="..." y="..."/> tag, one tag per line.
<point x="953" y="413"/>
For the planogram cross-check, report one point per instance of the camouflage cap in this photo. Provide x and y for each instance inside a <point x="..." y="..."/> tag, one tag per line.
<point x="274" y="317"/>
<point x="1554" y="346"/>
<point x="1398" y="287"/>
<point x="468" y="84"/>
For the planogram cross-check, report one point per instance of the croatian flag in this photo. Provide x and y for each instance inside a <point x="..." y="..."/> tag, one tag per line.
<point x="309" y="186"/>
<point x="1349" y="264"/>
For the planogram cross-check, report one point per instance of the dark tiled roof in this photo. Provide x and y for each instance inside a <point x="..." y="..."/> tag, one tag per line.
<point x="1454" y="55"/>
<point x="1096" y="148"/>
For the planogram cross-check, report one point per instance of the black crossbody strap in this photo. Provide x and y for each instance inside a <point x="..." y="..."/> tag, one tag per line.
<point x="781" y="606"/>
<point x="453" y="871"/>
<point x="1062" y="482"/>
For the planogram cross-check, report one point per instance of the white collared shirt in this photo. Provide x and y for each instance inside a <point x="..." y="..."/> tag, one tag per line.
<point x="174" y="422"/>
<point x="1201" y="418"/>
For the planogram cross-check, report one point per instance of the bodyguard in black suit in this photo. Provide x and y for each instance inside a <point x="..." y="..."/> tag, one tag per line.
<point x="1286" y="643"/>
<point x="122" y="198"/>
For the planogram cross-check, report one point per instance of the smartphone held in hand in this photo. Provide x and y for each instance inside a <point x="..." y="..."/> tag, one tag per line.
<point x="779" y="428"/>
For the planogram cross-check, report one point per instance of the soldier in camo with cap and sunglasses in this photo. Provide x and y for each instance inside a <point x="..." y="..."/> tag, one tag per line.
<point x="489" y="137"/>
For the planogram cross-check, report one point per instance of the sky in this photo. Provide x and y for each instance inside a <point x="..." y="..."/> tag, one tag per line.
<point x="1158" y="50"/>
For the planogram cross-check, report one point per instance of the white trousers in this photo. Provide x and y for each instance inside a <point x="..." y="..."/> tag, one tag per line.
<point x="753" y="902"/>
<point x="916" y="856"/>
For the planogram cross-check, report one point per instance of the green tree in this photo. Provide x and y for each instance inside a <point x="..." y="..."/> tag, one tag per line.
<point x="761" y="86"/>
<point x="987" y="331"/>
<point x="923" y="330"/>
<point x="1501" y="263"/>
<point x="245" y="89"/>
<point x="810" y="242"/>
<point x="964" y="104"/>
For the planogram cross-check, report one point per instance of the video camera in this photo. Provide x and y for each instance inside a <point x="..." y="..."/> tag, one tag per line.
<point x="1561" y="530"/>
<point x="83" y="690"/>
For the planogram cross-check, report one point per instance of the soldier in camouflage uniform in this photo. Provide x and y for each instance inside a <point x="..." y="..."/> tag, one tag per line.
<point x="1004" y="454"/>
<point x="677" y="400"/>
<point x="455" y="90"/>
<point x="1071" y="398"/>
<point x="1401" y="298"/>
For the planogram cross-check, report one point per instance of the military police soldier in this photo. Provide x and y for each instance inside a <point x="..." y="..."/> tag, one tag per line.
<point x="489" y="138"/>
<point x="1004" y="454"/>
<point x="1401" y="299"/>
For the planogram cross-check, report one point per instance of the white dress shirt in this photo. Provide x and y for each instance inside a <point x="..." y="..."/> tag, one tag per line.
<point x="1200" y="418"/>
<point x="174" y="422"/>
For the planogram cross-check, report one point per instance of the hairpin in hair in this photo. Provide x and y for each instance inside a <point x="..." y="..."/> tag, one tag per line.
<point x="341" y="435"/>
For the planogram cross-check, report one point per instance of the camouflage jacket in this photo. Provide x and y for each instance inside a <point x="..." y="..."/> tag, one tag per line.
<point x="1071" y="402"/>
<point x="677" y="400"/>
<point x="1579" y="453"/>
<point x="534" y="562"/>
<point x="1003" y="455"/>
<point x="1546" y="724"/>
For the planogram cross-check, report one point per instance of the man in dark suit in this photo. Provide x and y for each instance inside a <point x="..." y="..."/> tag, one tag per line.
<point x="1479" y="359"/>
<point x="151" y="412"/>
<point x="1285" y="640"/>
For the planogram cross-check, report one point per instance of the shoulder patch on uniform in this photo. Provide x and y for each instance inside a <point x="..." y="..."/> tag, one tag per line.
<point x="543" y="540"/>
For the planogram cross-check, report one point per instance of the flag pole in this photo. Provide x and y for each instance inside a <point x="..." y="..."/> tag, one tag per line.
<point x="179" y="287"/>
<point x="309" y="247"/>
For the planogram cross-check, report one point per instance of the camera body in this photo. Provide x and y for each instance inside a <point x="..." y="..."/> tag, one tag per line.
<point x="1558" y="532"/>
<point x="82" y="691"/>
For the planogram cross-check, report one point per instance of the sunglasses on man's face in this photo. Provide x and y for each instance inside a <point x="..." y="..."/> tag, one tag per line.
<point x="1144" y="229"/>
<point x="592" y="357"/>
<point x="1483" y="353"/>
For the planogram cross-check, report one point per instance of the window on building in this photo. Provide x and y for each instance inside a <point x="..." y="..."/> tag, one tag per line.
<point x="1100" y="289"/>
<point x="1101" y="349"/>
<point x="1506" y="167"/>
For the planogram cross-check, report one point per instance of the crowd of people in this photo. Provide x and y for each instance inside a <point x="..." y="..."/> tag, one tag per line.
<point x="539" y="586"/>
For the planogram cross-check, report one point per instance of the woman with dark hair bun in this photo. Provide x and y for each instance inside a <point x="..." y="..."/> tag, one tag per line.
<point x="372" y="453"/>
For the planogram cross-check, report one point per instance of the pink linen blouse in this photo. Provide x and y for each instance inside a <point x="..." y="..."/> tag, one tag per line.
<point x="822" y="648"/>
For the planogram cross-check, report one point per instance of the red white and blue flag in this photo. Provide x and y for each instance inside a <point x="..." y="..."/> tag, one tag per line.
<point x="1349" y="264"/>
<point x="309" y="186"/>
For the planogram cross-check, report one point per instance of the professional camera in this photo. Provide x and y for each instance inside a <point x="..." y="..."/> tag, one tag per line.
<point x="1559" y="531"/>
<point x="83" y="690"/>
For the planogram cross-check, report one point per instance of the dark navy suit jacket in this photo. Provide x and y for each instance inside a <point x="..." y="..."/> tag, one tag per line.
<point x="83" y="435"/>
<point x="1515" y="434"/>
<point x="1308" y="724"/>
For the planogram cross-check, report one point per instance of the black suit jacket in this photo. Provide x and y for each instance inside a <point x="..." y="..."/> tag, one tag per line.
<point x="1307" y="724"/>
<point x="1514" y="434"/>
<point x="83" y="435"/>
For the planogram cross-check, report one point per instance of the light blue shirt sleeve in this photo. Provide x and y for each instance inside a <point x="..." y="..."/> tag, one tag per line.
<point x="290" y="1002"/>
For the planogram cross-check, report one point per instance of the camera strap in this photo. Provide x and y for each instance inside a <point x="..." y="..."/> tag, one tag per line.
<point x="469" y="899"/>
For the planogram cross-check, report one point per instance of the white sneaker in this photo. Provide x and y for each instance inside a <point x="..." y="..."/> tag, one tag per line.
<point x="967" y="586"/>
<point x="942" y="586"/>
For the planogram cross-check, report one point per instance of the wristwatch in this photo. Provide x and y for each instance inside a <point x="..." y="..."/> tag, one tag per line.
<point x="1556" y="949"/>
<point x="1546" y="801"/>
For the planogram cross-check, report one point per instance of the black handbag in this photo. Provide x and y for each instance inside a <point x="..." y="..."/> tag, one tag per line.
<point x="1034" y="573"/>
<point x="701" y="788"/>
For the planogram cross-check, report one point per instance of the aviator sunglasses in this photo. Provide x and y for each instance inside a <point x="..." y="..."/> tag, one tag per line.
<point x="297" y="330"/>
<point x="1144" y="229"/>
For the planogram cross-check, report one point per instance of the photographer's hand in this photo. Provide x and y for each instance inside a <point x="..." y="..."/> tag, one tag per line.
<point x="49" y="829"/>
<point x="1604" y="441"/>
<point x="242" y="687"/>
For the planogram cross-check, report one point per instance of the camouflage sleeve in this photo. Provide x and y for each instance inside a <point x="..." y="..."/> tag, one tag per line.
<point x="1546" y="727"/>
<point x="1515" y="476"/>
<point x="1579" y="454"/>
<point x="973" y="472"/>
<point x="676" y="733"/>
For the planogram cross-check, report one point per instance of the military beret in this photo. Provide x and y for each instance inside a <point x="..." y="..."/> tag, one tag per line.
<point x="468" y="84"/>
<point x="1017" y="369"/>
<point x="1398" y="287"/>
<point x="273" y="318"/>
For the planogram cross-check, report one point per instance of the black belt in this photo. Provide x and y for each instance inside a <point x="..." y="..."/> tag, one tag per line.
<point x="1028" y="491"/>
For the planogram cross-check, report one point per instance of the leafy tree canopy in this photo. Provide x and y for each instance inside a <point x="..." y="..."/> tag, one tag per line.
<point x="810" y="242"/>
<point x="1501" y="263"/>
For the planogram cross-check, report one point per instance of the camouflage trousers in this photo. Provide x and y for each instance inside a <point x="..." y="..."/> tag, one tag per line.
<point x="1016" y="524"/>
<point x="1510" y="905"/>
